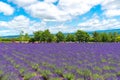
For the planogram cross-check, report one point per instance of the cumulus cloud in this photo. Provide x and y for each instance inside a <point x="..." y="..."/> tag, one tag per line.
<point x="96" y="24"/>
<point x="111" y="8"/>
<point x="6" y="9"/>
<point x="18" y="22"/>
<point x="50" y="1"/>
<point x="65" y="10"/>
<point x="21" y="23"/>
<point x="77" y="7"/>
<point x="16" y="25"/>
<point x="63" y="28"/>
<point x="47" y="11"/>
<point x="23" y="3"/>
<point x="112" y="13"/>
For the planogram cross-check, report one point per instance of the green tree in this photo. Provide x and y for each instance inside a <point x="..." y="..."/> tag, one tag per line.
<point x="21" y="36"/>
<point x="104" y="37"/>
<point x="54" y="39"/>
<point x="38" y="36"/>
<point x="0" y="39"/>
<point x="47" y="36"/>
<point x="110" y="37"/>
<point x="60" y="36"/>
<point x="114" y="38"/>
<point x="118" y="38"/>
<point x="26" y="37"/>
<point x="70" y="37"/>
<point x="82" y="36"/>
<point x="96" y="36"/>
<point x="32" y="40"/>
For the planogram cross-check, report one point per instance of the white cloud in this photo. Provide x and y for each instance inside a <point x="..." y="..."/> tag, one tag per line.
<point x="50" y="1"/>
<point x="47" y="11"/>
<point x="8" y="32"/>
<point x="111" y="8"/>
<point x="38" y="26"/>
<point x="65" y="10"/>
<point x="16" y="25"/>
<point x="96" y="24"/>
<point x="6" y="9"/>
<point x="112" y="13"/>
<point x="21" y="23"/>
<point x="22" y="3"/>
<point x="77" y="7"/>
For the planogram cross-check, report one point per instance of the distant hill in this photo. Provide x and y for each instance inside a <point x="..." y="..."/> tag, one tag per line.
<point x="13" y="36"/>
<point x="107" y="31"/>
<point x="90" y="32"/>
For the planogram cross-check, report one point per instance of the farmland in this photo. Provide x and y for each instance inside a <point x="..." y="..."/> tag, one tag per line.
<point x="60" y="61"/>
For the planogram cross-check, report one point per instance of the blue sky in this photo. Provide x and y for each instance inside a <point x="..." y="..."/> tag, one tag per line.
<point x="58" y="15"/>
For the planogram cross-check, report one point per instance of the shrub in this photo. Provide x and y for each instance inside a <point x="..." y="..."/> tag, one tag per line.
<point x="69" y="76"/>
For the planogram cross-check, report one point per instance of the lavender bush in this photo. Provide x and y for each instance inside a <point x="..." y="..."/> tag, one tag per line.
<point x="60" y="61"/>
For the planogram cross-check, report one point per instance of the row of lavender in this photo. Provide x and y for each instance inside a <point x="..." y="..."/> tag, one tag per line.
<point x="60" y="61"/>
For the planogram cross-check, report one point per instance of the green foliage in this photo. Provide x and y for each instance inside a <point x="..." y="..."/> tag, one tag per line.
<point x="59" y="71"/>
<point x="86" y="73"/>
<point x="108" y="68"/>
<point x="1" y="72"/>
<point x="32" y="40"/>
<point x="17" y="66"/>
<point x="115" y="35"/>
<point x="21" y="37"/>
<point x="69" y="76"/>
<point x="0" y="39"/>
<point x="22" y="70"/>
<point x="27" y="76"/>
<point x="35" y="67"/>
<point x="96" y="77"/>
<point x="103" y="60"/>
<point x="55" y="78"/>
<point x="118" y="74"/>
<point x="54" y="39"/>
<point x="70" y="37"/>
<point x="96" y="36"/>
<point x="80" y="79"/>
<point x="26" y="37"/>
<point x="79" y="35"/>
<point x="107" y="75"/>
<point x="45" y="74"/>
<point x="105" y="37"/>
<point x="43" y="36"/>
<point x="80" y="72"/>
<point x="5" y="77"/>
<point x="82" y="36"/>
<point x="38" y="35"/>
<point x="98" y="69"/>
<point x="47" y="36"/>
<point x="60" y="36"/>
<point x="118" y="39"/>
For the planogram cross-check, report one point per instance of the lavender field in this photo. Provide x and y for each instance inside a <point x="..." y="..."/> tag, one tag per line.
<point x="60" y="61"/>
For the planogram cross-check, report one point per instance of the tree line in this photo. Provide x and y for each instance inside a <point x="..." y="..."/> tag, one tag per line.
<point x="78" y="36"/>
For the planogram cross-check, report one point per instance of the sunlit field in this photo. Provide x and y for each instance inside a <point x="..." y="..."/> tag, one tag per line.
<point x="60" y="61"/>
